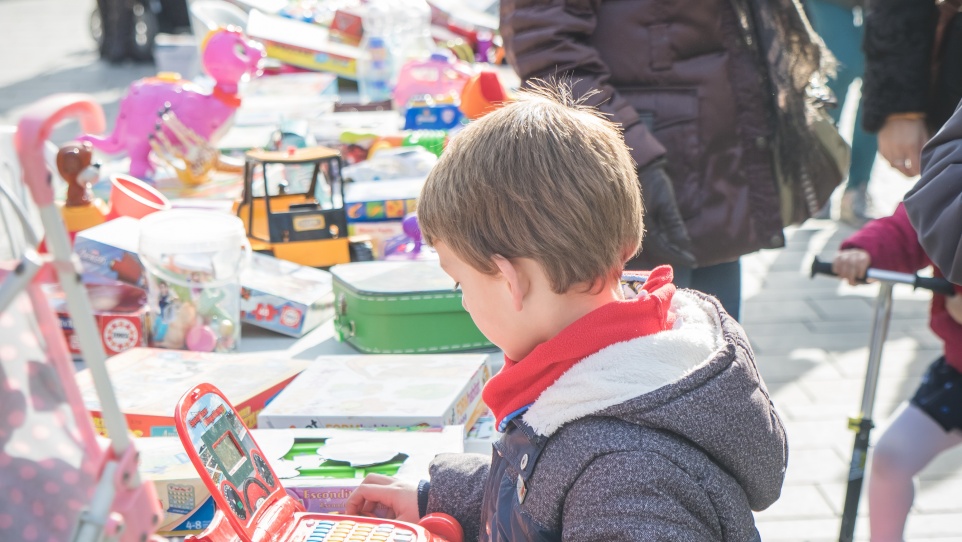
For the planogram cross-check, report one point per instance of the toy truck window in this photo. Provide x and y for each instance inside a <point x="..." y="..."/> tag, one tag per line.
<point x="229" y="453"/>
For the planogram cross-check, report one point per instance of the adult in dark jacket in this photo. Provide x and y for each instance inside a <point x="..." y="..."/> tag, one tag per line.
<point x="934" y="204"/>
<point x="839" y="23"/>
<point x="913" y="75"/>
<point x="709" y="94"/>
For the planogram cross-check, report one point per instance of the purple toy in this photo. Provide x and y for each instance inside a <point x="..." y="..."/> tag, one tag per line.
<point x="409" y="245"/>
<point x="228" y="57"/>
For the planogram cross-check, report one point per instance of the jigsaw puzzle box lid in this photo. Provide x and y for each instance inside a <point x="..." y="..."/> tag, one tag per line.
<point x="148" y="383"/>
<point x="401" y="307"/>
<point x="187" y="504"/>
<point x="388" y="391"/>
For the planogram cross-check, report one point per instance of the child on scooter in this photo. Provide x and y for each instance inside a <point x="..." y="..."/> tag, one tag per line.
<point x="931" y="421"/>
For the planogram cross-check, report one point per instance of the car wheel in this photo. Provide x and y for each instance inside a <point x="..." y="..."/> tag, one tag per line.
<point x="143" y="32"/>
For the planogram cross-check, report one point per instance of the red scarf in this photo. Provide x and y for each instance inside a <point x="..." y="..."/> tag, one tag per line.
<point x="519" y="383"/>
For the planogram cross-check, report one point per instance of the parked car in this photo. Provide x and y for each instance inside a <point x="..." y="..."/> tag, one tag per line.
<point x="125" y="29"/>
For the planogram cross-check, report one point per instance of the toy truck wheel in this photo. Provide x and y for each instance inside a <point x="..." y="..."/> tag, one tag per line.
<point x="361" y="251"/>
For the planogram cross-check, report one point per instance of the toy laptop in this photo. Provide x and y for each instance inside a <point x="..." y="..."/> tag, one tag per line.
<point x="401" y="307"/>
<point x="252" y="505"/>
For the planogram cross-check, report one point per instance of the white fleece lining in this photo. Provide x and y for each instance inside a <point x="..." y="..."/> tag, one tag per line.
<point x="625" y="370"/>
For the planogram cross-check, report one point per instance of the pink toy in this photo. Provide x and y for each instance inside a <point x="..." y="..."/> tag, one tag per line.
<point x="201" y="338"/>
<point x="228" y="57"/>
<point x="438" y="75"/>
<point x="60" y="482"/>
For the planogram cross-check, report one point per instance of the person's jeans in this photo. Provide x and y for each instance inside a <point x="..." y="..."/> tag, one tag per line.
<point x="837" y="27"/>
<point x="723" y="281"/>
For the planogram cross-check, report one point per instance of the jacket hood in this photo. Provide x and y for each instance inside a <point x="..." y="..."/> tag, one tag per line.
<point x="683" y="381"/>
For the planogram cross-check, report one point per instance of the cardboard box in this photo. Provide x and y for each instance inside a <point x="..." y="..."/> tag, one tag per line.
<point x="119" y="309"/>
<point x="285" y="297"/>
<point x="304" y="45"/>
<point x="482" y="435"/>
<point x="109" y="250"/>
<point x="347" y="27"/>
<point x="378" y="232"/>
<point x="328" y="494"/>
<point x="369" y="201"/>
<point x="188" y="507"/>
<point x="387" y="391"/>
<point x="148" y="383"/>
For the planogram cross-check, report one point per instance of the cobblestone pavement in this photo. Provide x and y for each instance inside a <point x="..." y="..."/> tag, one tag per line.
<point x="810" y="335"/>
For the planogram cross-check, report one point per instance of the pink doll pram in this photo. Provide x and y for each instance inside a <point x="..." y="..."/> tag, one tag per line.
<point x="60" y="481"/>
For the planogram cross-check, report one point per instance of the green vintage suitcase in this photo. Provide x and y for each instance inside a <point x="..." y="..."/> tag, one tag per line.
<point x="401" y="307"/>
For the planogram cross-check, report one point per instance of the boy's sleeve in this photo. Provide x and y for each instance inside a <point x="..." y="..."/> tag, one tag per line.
<point x="653" y="500"/>
<point x="934" y="205"/>
<point x="548" y="38"/>
<point x="891" y="242"/>
<point x="457" y="487"/>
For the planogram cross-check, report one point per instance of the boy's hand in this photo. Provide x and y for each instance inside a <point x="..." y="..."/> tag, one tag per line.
<point x="666" y="238"/>
<point x="954" y="306"/>
<point x="391" y="498"/>
<point x="851" y="265"/>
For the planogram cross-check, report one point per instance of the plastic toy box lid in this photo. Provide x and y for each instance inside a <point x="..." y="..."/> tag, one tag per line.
<point x="401" y="277"/>
<point x="286" y="279"/>
<point x="393" y="391"/>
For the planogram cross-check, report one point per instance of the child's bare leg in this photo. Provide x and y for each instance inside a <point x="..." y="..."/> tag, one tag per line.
<point x="907" y="446"/>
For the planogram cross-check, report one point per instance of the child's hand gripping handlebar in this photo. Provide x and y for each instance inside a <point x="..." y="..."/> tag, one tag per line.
<point x="935" y="284"/>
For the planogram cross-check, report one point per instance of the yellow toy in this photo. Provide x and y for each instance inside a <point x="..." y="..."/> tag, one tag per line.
<point x="303" y="224"/>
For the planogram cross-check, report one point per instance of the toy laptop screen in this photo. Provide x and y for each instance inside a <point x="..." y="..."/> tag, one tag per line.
<point x="226" y="456"/>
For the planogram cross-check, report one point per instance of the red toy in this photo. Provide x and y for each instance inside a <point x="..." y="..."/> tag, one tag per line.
<point x="252" y="505"/>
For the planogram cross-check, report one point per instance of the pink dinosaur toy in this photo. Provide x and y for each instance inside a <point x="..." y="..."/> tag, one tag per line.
<point x="228" y="56"/>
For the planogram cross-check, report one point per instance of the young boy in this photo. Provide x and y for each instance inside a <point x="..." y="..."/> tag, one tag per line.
<point x="623" y="417"/>
<point x="931" y="422"/>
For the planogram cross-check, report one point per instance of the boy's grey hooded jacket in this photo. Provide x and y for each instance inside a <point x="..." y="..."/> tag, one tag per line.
<point x="671" y="436"/>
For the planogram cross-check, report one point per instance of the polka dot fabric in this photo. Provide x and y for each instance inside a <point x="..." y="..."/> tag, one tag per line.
<point x="45" y="479"/>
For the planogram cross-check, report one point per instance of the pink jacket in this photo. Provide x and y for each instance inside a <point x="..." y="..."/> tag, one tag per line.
<point x="894" y="245"/>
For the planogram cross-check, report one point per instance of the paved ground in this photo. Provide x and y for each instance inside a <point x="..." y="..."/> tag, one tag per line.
<point x="811" y="336"/>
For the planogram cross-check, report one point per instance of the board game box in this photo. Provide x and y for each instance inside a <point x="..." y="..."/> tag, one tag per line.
<point x="387" y="391"/>
<point x="149" y="381"/>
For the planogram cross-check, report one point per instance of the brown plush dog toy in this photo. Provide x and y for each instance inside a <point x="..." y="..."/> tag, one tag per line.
<point x="75" y="164"/>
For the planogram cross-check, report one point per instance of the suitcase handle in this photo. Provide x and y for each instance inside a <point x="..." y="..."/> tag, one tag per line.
<point x="345" y="328"/>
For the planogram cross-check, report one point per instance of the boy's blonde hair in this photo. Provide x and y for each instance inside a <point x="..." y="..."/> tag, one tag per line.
<point x="543" y="177"/>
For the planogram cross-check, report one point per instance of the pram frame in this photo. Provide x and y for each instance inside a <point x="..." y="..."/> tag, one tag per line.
<point x="122" y="507"/>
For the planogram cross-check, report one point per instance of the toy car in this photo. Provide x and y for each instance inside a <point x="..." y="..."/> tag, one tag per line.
<point x="305" y="226"/>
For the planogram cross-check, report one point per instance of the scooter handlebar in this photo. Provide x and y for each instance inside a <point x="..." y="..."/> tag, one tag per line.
<point x="935" y="284"/>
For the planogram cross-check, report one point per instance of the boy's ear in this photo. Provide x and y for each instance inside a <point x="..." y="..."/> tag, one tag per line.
<point x="515" y="279"/>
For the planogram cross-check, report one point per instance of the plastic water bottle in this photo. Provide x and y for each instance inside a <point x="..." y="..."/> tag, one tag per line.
<point x="374" y="71"/>
<point x="411" y="31"/>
